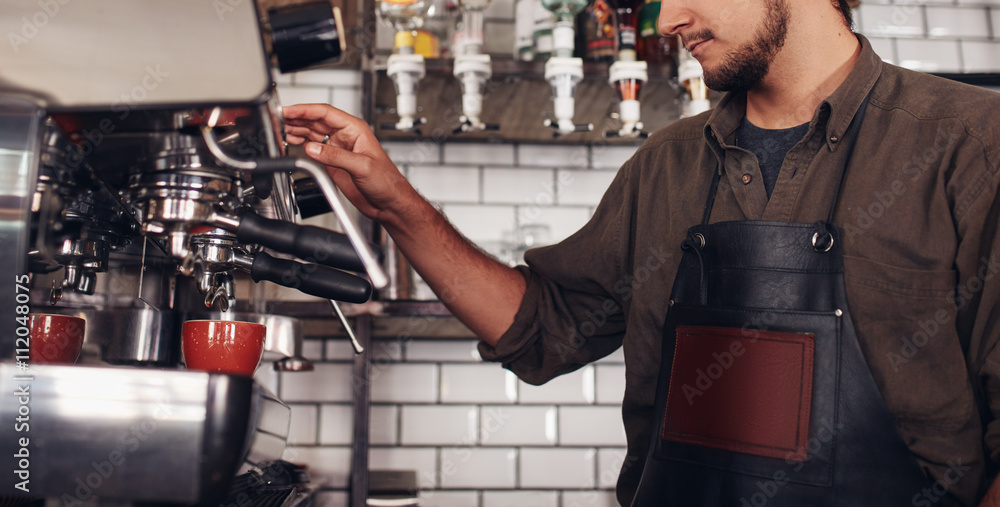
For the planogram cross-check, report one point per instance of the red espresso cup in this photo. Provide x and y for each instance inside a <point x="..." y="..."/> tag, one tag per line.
<point x="55" y="339"/>
<point x="222" y="346"/>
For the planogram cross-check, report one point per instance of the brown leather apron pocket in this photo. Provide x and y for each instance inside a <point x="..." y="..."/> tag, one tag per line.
<point x="746" y="391"/>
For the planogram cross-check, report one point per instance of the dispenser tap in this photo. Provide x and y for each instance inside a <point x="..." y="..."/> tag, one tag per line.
<point x="406" y="71"/>
<point x="473" y="70"/>
<point x="564" y="72"/>
<point x="627" y="77"/>
<point x="404" y="66"/>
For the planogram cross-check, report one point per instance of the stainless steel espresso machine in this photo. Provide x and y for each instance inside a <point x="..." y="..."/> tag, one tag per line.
<point x="144" y="180"/>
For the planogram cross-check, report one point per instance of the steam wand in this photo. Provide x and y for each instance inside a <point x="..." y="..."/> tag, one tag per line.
<point x="347" y="327"/>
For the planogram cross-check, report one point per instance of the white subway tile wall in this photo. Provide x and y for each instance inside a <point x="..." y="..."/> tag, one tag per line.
<point x="885" y="48"/>
<point x="412" y="383"/>
<point x="589" y="499"/>
<point x="518" y="425"/>
<point x="546" y="155"/>
<point x="336" y="425"/>
<point x="384" y="425"/>
<point x="477" y="383"/>
<point x="520" y="499"/>
<point x="583" y="187"/>
<point x="591" y="426"/>
<point x="328" y="382"/>
<point x="504" y="185"/>
<point x="476" y="436"/>
<point x="572" y="388"/>
<point x="439" y="425"/>
<point x="443" y="350"/>
<point x="442" y="498"/>
<point x="446" y="184"/>
<point x="609" y="464"/>
<point x="558" y="467"/>
<point x="468" y="467"/>
<point x="610" y="383"/>
<point x="929" y="55"/>
<point x="952" y="22"/>
<point x="302" y="427"/>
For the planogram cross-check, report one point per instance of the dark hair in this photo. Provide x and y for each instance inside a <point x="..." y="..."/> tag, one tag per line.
<point x="845" y="9"/>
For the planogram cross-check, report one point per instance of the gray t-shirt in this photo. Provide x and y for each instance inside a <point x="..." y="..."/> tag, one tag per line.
<point x="770" y="146"/>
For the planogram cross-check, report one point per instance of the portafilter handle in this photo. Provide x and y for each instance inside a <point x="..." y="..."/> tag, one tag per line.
<point x="307" y="242"/>
<point x="312" y="279"/>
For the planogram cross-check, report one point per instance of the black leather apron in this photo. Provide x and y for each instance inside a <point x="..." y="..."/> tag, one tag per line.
<point x="764" y="396"/>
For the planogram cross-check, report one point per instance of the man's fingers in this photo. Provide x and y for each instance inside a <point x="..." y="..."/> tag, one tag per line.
<point x="306" y="133"/>
<point x="329" y="115"/>
<point x="335" y="156"/>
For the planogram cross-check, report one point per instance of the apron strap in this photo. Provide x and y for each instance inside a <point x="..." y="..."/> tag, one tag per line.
<point x="712" y="190"/>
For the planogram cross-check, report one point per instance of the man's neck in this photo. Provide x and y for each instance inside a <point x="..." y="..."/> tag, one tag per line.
<point x="811" y="65"/>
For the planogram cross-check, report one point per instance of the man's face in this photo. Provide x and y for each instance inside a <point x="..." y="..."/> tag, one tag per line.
<point x="734" y="44"/>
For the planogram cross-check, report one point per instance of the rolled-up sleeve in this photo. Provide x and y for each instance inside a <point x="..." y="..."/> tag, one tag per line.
<point x="574" y="308"/>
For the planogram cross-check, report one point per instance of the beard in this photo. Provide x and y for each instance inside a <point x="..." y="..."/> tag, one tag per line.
<point x="745" y="67"/>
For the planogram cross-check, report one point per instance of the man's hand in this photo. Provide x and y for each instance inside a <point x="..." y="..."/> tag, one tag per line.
<point x="992" y="498"/>
<point x="481" y="292"/>
<point x="358" y="164"/>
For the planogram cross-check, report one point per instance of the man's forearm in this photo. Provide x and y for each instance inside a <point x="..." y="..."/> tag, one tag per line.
<point x="480" y="291"/>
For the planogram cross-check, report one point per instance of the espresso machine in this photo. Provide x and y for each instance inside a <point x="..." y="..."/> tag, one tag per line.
<point x="144" y="181"/>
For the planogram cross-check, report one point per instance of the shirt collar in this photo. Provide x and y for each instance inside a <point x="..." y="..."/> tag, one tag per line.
<point x="833" y="115"/>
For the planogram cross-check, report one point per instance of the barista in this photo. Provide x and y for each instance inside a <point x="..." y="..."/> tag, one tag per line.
<point x="832" y="210"/>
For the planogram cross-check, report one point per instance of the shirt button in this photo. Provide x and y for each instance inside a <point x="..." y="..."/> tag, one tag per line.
<point x="834" y="139"/>
<point x="746" y="179"/>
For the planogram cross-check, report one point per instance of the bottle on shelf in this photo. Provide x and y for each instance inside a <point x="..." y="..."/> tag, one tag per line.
<point x="468" y="38"/>
<point x="627" y="14"/>
<point x="628" y="74"/>
<point x="544" y="23"/>
<point x="653" y="47"/>
<point x="440" y="22"/>
<point x="524" y="29"/>
<point x="599" y="28"/>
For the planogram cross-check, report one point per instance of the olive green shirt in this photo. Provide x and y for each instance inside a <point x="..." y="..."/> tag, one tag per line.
<point x="918" y="216"/>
